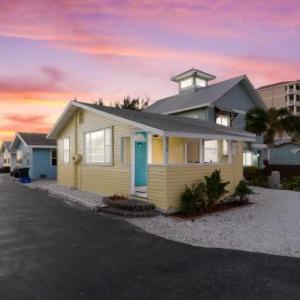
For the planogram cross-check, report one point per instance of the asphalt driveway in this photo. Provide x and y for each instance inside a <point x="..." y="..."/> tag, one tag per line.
<point x="50" y="250"/>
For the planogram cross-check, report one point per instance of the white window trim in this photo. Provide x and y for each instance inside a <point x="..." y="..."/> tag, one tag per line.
<point x="109" y="164"/>
<point x="62" y="151"/>
<point x="122" y="152"/>
<point x="51" y="165"/>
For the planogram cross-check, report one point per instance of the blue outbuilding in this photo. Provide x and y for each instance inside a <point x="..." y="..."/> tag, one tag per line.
<point x="284" y="154"/>
<point x="36" y="152"/>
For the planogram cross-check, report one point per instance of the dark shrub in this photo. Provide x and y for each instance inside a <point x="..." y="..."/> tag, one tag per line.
<point x="256" y="176"/>
<point x="5" y="170"/>
<point x="292" y="183"/>
<point x="251" y="172"/>
<point x="242" y="190"/>
<point x="215" y="187"/>
<point x="193" y="198"/>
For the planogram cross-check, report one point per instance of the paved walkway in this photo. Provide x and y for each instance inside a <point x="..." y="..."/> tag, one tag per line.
<point x="88" y="200"/>
<point x="50" y="250"/>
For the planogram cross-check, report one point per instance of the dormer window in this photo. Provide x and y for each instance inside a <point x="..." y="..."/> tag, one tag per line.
<point x="192" y="79"/>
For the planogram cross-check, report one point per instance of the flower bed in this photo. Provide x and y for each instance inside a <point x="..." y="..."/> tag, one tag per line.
<point x="223" y="206"/>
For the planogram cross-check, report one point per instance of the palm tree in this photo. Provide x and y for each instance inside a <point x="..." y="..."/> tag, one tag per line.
<point x="271" y="122"/>
<point x="256" y="120"/>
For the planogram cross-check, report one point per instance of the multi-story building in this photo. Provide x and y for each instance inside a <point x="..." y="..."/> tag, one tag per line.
<point x="225" y="103"/>
<point x="282" y="94"/>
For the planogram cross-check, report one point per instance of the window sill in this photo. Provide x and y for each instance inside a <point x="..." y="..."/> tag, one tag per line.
<point x="98" y="164"/>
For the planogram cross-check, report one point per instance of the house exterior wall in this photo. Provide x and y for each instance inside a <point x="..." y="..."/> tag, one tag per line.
<point x="102" y="179"/>
<point x="21" y="151"/>
<point x="287" y="154"/>
<point x="41" y="164"/>
<point x="166" y="183"/>
<point x="237" y="98"/>
<point x="274" y="97"/>
<point x="38" y="160"/>
<point x="5" y="157"/>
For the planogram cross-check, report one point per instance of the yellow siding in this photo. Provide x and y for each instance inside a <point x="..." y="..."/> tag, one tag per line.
<point x="106" y="180"/>
<point x="65" y="172"/>
<point x="157" y="192"/>
<point x="176" y="150"/>
<point x="165" y="183"/>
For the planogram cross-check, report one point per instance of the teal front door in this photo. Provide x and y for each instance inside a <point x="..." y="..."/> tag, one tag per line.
<point x="140" y="163"/>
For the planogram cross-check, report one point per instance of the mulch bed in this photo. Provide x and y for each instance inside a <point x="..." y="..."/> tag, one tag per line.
<point x="216" y="208"/>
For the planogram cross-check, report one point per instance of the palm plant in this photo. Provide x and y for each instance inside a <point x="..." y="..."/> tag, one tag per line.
<point x="271" y="122"/>
<point x="257" y="120"/>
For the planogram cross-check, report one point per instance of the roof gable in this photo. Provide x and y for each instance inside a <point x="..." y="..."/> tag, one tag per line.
<point x="5" y="146"/>
<point x="239" y="98"/>
<point x="30" y="139"/>
<point x="204" y="96"/>
<point x="156" y="123"/>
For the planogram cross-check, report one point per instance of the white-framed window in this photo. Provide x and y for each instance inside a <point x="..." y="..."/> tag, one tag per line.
<point x="186" y="82"/>
<point x="64" y="150"/>
<point x="53" y="158"/>
<point x="211" y="151"/>
<point x="223" y="119"/>
<point x="19" y="157"/>
<point x="225" y="147"/>
<point x="192" y="149"/>
<point x="247" y="158"/>
<point x="201" y="82"/>
<point x="98" y="146"/>
<point x="125" y="150"/>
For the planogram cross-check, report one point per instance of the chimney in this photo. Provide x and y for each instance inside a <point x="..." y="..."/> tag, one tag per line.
<point x="192" y="80"/>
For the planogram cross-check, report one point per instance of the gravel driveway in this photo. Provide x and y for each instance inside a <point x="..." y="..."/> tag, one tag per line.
<point x="270" y="225"/>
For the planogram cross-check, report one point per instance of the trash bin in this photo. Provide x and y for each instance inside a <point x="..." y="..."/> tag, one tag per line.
<point x="24" y="172"/>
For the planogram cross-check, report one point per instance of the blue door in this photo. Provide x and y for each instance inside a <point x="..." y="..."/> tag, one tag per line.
<point x="140" y="163"/>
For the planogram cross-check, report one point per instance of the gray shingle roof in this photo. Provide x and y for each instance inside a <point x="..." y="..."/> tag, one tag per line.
<point x="171" y="123"/>
<point x="36" y="139"/>
<point x="203" y="96"/>
<point x="6" y="144"/>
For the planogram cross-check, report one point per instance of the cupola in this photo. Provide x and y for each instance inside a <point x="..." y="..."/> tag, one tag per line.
<point x="192" y="80"/>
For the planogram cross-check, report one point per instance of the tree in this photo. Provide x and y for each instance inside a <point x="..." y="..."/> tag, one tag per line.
<point x="99" y="102"/>
<point x="257" y="120"/>
<point x="271" y="122"/>
<point x="132" y="103"/>
<point x="128" y="103"/>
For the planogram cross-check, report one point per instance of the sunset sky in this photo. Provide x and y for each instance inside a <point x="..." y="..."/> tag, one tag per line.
<point x="52" y="51"/>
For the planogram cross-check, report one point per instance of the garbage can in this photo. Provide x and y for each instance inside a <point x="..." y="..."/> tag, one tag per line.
<point x="24" y="172"/>
<point x="24" y="175"/>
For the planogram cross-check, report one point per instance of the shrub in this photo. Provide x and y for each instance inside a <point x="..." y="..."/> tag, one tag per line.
<point x="255" y="176"/>
<point x="215" y="187"/>
<point x="242" y="190"/>
<point x="193" y="198"/>
<point x="251" y="172"/>
<point x="292" y="183"/>
<point x="5" y="170"/>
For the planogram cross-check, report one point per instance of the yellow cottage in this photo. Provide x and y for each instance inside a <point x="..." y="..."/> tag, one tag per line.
<point x="148" y="155"/>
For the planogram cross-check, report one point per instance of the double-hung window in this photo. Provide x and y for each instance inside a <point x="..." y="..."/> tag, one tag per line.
<point x="64" y="150"/>
<point x="98" y="146"/>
